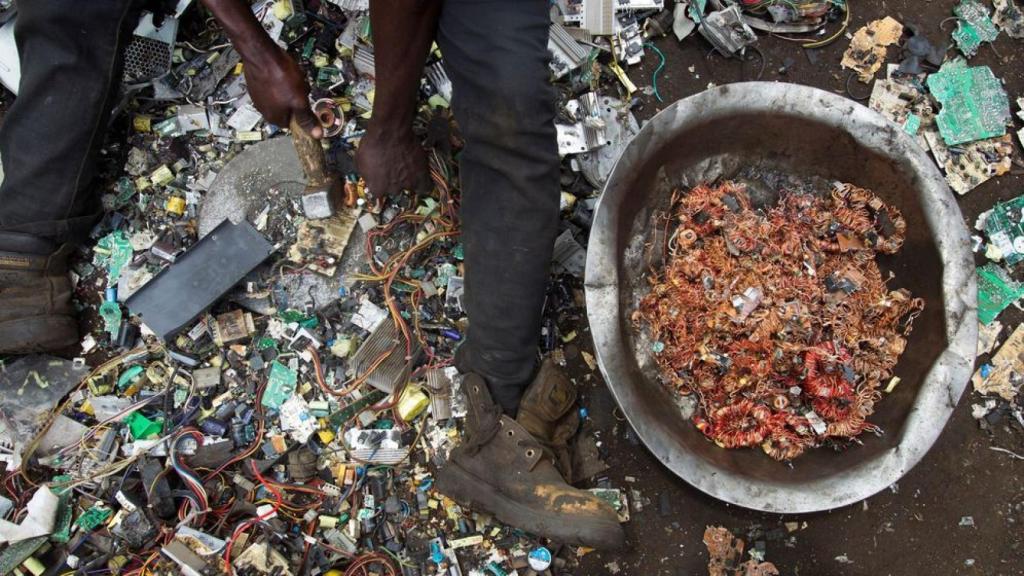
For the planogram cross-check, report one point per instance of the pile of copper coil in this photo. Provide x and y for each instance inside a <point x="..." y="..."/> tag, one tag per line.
<point x="778" y="321"/>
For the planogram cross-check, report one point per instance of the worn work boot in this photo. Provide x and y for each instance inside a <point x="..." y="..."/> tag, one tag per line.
<point x="501" y="469"/>
<point x="35" y="303"/>
<point x="547" y="412"/>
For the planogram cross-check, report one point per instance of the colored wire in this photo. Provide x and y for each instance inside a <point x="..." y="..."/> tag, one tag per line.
<point x="654" y="75"/>
<point x="190" y="478"/>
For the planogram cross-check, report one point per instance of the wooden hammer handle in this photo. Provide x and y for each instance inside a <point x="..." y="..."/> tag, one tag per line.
<point x="311" y="154"/>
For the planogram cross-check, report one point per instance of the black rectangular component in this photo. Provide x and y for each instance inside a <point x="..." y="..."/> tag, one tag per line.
<point x="181" y="292"/>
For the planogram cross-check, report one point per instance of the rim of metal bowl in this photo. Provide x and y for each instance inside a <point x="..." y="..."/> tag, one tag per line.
<point x="942" y="385"/>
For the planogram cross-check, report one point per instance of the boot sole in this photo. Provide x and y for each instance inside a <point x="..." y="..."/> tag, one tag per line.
<point x="601" y="535"/>
<point x="38" y="334"/>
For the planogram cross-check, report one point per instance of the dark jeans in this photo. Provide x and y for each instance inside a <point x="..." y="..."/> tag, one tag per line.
<point x="70" y="71"/>
<point x="496" y="56"/>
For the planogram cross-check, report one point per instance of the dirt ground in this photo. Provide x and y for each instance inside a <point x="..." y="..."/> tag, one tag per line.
<point x="915" y="526"/>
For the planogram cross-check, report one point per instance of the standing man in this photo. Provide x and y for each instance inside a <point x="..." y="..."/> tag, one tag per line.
<point x="495" y="52"/>
<point x="496" y="55"/>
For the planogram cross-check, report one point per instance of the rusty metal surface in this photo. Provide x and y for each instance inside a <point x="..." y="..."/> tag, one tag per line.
<point x="812" y="133"/>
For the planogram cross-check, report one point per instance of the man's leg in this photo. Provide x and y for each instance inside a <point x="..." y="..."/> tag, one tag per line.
<point x="71" y="66"/>
<point x="70" y="71"/>
<point x="496" y="56"/>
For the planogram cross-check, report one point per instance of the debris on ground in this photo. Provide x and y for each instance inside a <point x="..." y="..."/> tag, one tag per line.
<point x="230" y="414"/>
<point x="974" y="104"/>
<point x="1009" y="18"/>
<point x="919" y="51"/>
<point x="1004" y="227"/>
<point x="726" y="31"/>
<point x="762" y="314"/>
<point x="869" y="46"/>
<point x="726" y="555"/>
<point x="996" y="291"/>
<point x="904" y="101"/>
<point x="974" y="26"/>
<point x="1020" y="114"/>
<point x="988" y="336"/>
<point x="1004" y="373"/>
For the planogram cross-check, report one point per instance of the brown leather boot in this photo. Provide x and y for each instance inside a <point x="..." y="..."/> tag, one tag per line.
<point x="547" y="411"/>
<point x="35" y="303"/>
<point x="501" y="469"/>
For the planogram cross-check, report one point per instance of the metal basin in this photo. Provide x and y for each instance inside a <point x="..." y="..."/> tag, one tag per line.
<point x="809" y="132"/>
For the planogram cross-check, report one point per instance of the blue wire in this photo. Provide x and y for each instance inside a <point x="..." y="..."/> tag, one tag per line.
<point x="661" y="66"/>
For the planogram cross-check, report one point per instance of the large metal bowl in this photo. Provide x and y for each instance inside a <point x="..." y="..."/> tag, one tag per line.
<point x="800" y="130"/>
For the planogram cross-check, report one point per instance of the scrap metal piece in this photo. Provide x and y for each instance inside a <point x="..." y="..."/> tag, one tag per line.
<point x="599" y="17"/>
<point x="566" y="53"/>
<point x="620" y="125"/>
<point x="377" y="446"/>
<point x="588" y="132"/>
<point x="438" y="76"/>
<point x="682" y="25"/>
<point x="363" y="60"/>
<point x="440" y="387"/>
<point x="149" y="53"/>
<point x="628" y="43"/>
<point x="727" y="31"/>
<point x="176" y="296"/>
<point x="387" y="342"/>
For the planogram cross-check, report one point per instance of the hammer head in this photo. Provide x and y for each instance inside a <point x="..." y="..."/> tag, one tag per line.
<point x="323" y="199"/>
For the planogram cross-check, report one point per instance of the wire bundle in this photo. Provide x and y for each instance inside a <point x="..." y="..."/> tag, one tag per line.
<point x="198" y="500"/>
<point x="779" y="322"/>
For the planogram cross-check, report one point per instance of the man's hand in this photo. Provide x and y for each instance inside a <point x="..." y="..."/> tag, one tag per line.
<point x="276" y="83"/>
<point x="391" y="162"/>
<point x="279" y="90"/>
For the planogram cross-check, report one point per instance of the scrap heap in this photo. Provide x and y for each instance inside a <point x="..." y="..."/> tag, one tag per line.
<point x="274" y="402"/>
<point x="779" y="321"/>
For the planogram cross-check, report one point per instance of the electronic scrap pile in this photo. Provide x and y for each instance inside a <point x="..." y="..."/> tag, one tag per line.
<point x="779" y="322"/>
<point x="276" y="430"/>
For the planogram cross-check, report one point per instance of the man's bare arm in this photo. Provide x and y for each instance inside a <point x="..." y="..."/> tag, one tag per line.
<point x="389" y="157"/>
<point x="276" y="83"/>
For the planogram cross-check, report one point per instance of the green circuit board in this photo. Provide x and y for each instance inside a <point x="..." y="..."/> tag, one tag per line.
<point x="974" y="103"/>
<point x="973" y="27"/>
<point x="996" y="291"/>
<point x="1005" y="229"/>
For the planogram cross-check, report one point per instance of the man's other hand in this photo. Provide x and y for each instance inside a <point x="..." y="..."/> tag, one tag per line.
<point x="391" y="162"/>
<point x="279" y="90"/>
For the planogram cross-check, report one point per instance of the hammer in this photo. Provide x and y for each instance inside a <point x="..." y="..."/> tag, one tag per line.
<point x="324" y="192"/>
